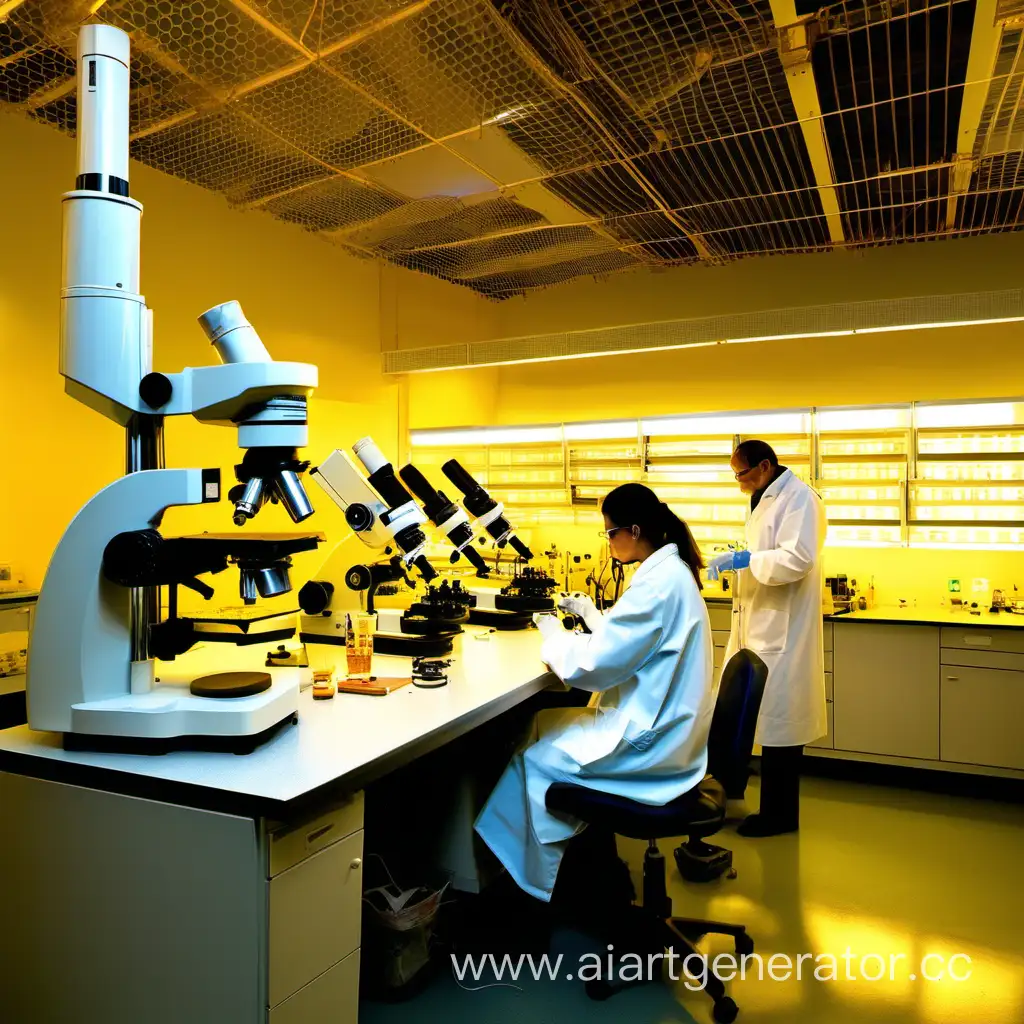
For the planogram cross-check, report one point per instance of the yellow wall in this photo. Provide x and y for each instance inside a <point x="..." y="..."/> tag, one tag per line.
<point x="952" y="363"/>
<point x="308" y="300"/>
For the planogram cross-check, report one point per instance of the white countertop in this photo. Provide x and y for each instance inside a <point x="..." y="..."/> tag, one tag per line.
<point x="334" y="738"/>
<point x="933" y="615"/>
<point x="922" y="615"/>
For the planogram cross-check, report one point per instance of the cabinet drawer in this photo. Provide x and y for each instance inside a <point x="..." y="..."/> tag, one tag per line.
<point x="827" y="636"/>
<point x="720" y="616"/>
<point x="314" y="916"/>
<point x="828" y="662"/>
<point x="982" y="717"/>
<point x="982" y="659"/>
<point x="977" y="638"/>
<point x="332" y="999"/>
<point x="292" y="842"/>
<point x="720" y="637"/>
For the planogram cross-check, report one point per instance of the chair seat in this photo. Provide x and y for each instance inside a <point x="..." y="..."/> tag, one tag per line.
<point x="698" y="812"/>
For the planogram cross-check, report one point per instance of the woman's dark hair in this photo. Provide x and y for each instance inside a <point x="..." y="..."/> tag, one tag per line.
<point x="755" y="452"/>
<point x="637" y="505"/>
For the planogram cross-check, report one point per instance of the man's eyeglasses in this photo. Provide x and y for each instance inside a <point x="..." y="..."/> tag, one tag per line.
<point x="608" y="534"/>
<point x="743" y="472"/>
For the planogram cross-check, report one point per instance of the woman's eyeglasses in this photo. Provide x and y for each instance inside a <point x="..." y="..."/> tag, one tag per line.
<point x="608" y="534"/>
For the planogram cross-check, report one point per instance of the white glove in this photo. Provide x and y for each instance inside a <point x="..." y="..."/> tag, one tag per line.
<point x="549" y="625"/>
<point x="583" y="608"/>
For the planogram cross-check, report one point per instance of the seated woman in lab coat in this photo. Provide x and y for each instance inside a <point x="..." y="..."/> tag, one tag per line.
<point x="648" y="663"/>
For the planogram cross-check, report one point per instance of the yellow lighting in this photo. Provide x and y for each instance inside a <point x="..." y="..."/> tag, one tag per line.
<point x="600" y="431"/>
<point x="576" y="355"/>
<point x="730" y="423"/>
<point x="723" y="341"/>
<point x="863" y="419"/>
<point x="788" y="337"/>
<point x="980" y="414"/>
<point x="484" y="436"/>
<point x="931" y="327"/>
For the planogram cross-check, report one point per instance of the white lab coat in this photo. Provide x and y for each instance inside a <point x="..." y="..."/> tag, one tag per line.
<point x="644" y="736"/>
<point x="777" y="611"/>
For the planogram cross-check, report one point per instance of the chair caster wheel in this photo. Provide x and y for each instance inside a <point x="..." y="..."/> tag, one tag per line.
<point x="599" y="991"/>
<point x="725" y="1010"/>
<point x="744" y="945"/>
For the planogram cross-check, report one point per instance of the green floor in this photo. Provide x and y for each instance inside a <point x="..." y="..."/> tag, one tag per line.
<point x="888" y="873"/>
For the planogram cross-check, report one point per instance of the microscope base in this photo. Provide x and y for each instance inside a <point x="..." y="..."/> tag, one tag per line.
<point x="154" y="747"/>
<point x="169" y="714"/>
<point x="409" y="645"/>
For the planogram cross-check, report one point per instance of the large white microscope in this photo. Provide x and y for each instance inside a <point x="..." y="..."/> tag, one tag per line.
<point x="91" y="669"/>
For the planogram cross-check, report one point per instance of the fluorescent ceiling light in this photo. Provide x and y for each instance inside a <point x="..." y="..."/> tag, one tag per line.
<point x="980" y="414"/>
<point x="788" y="337"/>
<point x="930" y="327"/>
<point x="577" y="355"/>
<point x="863" y="419"/>
<point x="484" y="436"/>
<point x="729" y="424"/>
<point x="600" y="431"/>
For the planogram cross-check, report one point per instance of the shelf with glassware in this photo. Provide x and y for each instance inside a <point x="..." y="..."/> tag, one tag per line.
<point x="969" y="487"/>
<point x="596" y="467"/>
<point x="691" y="475"/>
<point x="862" y="478"/>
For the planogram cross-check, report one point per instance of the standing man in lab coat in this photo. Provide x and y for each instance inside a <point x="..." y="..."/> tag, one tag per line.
<point x="777" y="614"/>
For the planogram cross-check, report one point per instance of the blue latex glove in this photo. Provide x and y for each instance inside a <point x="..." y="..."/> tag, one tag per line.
<point x="726" y="561"/>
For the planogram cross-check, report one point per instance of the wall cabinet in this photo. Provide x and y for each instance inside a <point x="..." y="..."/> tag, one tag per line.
<point x="886" y="689"/>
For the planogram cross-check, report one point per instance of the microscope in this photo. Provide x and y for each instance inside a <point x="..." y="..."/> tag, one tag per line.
<point x="511" y="605"/>
<point x="385" y="518"/>
<point x="98" y="628"/>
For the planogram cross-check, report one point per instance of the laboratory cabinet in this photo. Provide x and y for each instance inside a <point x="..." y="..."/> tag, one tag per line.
<point x="886" y="689"/>
<point x="982" y="697"/>
<point x="181" y="913"/>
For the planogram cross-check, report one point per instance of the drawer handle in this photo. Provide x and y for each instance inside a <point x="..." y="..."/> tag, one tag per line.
<point x="356" y="864"/>
<point x="318" y="833"/>
<point x="952" y="679"/>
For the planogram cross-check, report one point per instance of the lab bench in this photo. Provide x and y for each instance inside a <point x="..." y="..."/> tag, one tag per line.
<point x="921" y="687"/>
<point x="208" y="887"/>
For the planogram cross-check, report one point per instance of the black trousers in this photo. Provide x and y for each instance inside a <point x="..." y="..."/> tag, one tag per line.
<point x="780" y="784"/>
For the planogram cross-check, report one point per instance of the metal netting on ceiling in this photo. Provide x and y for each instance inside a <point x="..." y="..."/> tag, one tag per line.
<point x="507" y="145"/>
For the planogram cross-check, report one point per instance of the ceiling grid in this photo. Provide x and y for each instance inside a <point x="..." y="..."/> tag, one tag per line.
<point x="507" y="145"/>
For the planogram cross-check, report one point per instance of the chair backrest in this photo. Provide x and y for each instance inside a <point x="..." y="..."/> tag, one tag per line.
<point x="731" y="740"/>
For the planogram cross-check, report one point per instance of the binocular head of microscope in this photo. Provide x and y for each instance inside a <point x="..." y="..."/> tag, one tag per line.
<point x="271" y="429"/>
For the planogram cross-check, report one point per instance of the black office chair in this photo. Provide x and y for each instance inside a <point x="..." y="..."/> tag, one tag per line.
<point x="697" y="814"/>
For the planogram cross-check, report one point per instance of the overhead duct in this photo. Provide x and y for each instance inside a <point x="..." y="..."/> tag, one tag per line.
<point x="766" y="325"/>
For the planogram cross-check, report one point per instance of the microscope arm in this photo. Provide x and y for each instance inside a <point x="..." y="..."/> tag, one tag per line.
<point x="222" y="393"/>
<point x="80" y="647"/>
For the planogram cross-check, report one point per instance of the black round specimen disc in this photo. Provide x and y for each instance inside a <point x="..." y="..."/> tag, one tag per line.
<point x="230" y="684"/>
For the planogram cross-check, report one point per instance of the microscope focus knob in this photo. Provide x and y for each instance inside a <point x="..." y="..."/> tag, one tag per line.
<point x="315" y="596"/>
<point x="155" y="389"/>
<point x="132" y="559"/>
<point x="359" y="577"/>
